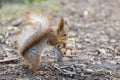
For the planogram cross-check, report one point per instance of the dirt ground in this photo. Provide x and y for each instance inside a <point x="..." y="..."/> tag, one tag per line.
<point x="95" y="26"/>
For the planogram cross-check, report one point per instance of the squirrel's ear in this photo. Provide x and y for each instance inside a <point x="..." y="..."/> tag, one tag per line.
<point x="61" y="24"/>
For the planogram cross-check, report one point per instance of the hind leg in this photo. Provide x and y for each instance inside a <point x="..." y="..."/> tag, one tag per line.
<point x="33" y="61"/>
<point x="34" y="67"/>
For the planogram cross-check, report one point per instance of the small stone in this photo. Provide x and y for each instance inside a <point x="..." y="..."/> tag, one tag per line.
<point x="18" y="72"/>
<point x="102" y="51"/>
<point x="78" y="46"/>
<point x="66" y="59"/>
<point x="113" y="41"/>
<point x="16" y="22"/>
<point x="85" y="13"/>
<point x="89" y="71"/>
<point x="1" y="37"/>
<point x="72" y="34"/>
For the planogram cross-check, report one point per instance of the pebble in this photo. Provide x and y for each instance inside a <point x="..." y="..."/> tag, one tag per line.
<point x="102" y="51"/>
<point x="1" y="37"/>
<point x="72" y="34"/>
<point x="66" y="58"/>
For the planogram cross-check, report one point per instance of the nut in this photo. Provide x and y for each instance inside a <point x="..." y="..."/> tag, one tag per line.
<point x="73" y="52"/>
<point x="63" y="50"/>
<point x="68" y="46"/>
<point x="68" y="53"/>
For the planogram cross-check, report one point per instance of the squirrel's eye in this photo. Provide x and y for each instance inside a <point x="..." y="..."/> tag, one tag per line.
<point x="65" y="34"/>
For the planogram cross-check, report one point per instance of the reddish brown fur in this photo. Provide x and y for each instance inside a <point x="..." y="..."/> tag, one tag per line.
<point x="34" y="41"/>
<point x="36" y="37"/>
<point x="53" y="39"/>
<point x="60" y="26"/>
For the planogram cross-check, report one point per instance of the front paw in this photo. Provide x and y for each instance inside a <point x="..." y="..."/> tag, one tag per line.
<point x="63" y="42"/>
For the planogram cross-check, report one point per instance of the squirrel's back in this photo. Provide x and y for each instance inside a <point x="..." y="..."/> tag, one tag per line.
<point x="37" y="27"/>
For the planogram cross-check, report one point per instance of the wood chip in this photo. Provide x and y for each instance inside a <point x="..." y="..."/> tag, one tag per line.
<point x="7" y="59"/>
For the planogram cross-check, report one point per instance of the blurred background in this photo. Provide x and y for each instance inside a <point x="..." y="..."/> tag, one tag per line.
<point x="94" y="24"/>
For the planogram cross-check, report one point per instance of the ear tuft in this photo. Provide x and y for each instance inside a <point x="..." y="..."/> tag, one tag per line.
<point x="61" y="24"/>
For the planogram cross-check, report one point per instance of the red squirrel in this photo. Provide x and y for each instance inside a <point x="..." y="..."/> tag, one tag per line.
<point x="35" y="36"/>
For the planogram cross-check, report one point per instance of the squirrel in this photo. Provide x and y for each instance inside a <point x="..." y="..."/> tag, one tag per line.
<point x="35" y="36"/>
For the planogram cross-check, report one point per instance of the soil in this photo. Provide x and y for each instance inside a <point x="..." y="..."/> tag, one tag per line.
<point x="95" y="26"/>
